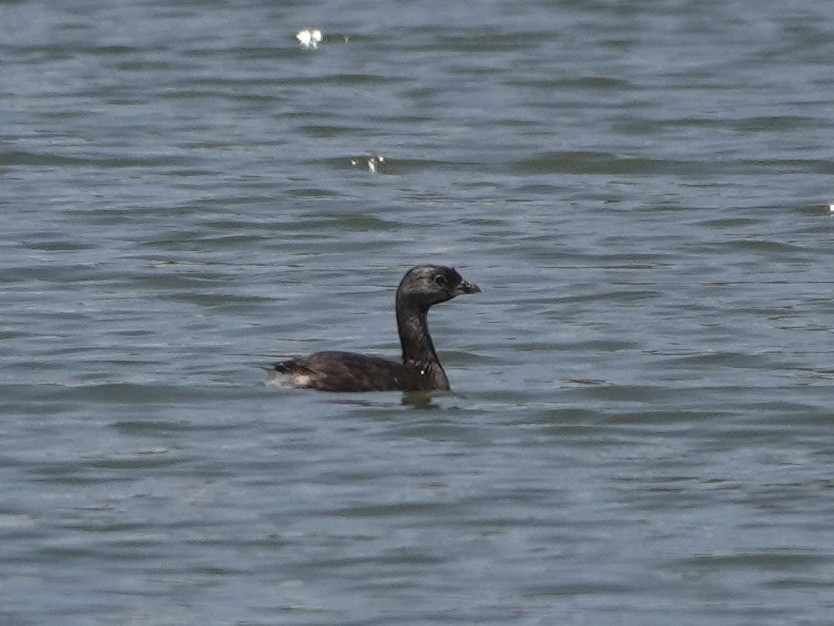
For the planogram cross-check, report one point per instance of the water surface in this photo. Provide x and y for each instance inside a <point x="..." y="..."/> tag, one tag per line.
<point x="640" y="425"/>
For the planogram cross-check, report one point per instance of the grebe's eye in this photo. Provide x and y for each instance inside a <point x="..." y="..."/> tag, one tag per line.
<point x="441" y="281"/>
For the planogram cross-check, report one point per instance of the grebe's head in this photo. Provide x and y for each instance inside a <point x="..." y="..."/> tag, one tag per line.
<point x="425" y="285"/>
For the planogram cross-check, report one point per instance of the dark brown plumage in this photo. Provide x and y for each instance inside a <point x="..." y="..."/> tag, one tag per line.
<point x="421" y="288"/>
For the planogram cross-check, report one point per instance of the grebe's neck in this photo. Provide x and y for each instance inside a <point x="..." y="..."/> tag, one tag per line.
<point x="418" y="348"/>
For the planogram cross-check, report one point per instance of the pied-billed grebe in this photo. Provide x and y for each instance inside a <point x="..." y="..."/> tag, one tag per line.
<point x="420" y="370"/>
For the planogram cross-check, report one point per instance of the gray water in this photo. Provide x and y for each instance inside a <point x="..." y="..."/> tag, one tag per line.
<point x="640" y="428"/>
